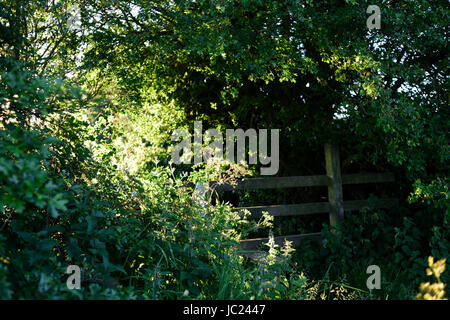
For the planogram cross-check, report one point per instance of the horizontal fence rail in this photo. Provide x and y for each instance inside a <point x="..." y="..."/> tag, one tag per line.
<point x="275" y="183"/>
<point x="302" y="181"/>
<point x="314" y="208"/>
<point x="254" y="244"/>
<point x="288" y="209"/>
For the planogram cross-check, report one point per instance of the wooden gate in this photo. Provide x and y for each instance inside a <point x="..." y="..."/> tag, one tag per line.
<point x="335" y="205"/>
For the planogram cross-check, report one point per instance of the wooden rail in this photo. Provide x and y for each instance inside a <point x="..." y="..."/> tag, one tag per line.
<point x="288" y="209"/>
<point x="313" y="208"/>
<point x="275" y="183"/>
<point x="335" y="206"/>
<point x="253" y="244"/>
<point x="302" y="181"/>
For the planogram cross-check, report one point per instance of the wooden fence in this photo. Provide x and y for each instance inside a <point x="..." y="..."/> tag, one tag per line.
<point x="335" y="205"/>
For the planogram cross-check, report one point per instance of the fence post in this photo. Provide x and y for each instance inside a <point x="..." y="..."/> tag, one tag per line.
<point x="335" y="196"/>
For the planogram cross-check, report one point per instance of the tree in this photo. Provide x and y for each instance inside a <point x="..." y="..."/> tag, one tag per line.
<point x="313" y="69"/>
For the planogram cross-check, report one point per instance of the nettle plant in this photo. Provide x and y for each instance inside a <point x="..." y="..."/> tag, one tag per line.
<point x="131" y="236"/>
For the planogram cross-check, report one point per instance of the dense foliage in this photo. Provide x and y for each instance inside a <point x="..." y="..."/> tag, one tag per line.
<point x="87" y="112"/>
